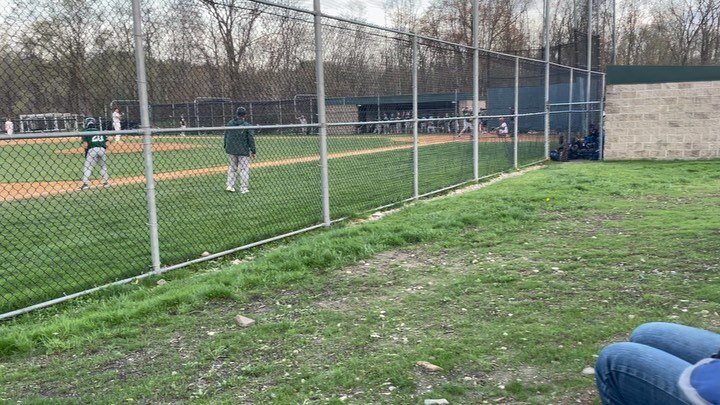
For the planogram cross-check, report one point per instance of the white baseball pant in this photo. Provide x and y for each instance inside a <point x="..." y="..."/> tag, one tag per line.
<point x="117" y="127"/>
<point x="242" y="164"/>
<point x="95" y="155"/>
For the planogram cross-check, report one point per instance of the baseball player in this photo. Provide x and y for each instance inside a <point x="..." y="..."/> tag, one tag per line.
<point x="183" y="124"/>
<point x="95" y="148"/>
<point x="9" y="127"/>
<point x="117" y="126"/>
<point x="303" y="121"/>
<point x="502" y="129"/>
<point x="239" y="145"/>
<point x="467" y="122"/>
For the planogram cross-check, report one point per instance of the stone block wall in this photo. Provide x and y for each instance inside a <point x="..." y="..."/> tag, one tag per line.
<point x="663" y="121"/>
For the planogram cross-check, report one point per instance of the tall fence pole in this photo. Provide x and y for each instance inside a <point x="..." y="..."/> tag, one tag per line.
<point x="476" y="89"/>
<point x="516" y="118"/>
<point x="589" y="64"/>
<point x="147" y="139"/>
<point x="416" y="157"/>
<point x="602" y="120"/>
<point x="571" y="96"/>
<point x="322" y="119"/>
<point x="546" y="34"/>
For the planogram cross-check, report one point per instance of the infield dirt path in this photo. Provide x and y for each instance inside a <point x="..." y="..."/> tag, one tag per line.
<point x="29" y="190"/>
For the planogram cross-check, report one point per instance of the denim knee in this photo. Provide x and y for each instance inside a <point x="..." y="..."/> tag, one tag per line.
<point x="647" y="331"/>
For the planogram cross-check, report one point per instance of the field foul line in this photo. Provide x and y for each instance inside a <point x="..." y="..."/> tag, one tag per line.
<point x="24" y="191"/>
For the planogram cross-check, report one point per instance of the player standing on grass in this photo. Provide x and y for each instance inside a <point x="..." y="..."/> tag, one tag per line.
<point x="183" y="124"/>
<point x="117" y="126"/>
<point x="303" y="121"/>
<point x="95" y="147"/>
<point x="239" y="145"/>
<point x="9" y="127"/>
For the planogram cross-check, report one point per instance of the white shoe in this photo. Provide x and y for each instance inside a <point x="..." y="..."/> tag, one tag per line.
<point x="230" y="189"/>
<point x="244" y="191"/>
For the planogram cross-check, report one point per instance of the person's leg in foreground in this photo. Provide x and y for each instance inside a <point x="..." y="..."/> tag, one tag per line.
<point x="647" y="369"/>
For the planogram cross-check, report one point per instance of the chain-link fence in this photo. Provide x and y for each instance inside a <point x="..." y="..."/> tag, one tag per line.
<point x="225" y="130"/>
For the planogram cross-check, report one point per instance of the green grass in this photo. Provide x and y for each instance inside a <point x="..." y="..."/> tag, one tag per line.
<point x="511" y="290"/>
<point x="60" y="245"/>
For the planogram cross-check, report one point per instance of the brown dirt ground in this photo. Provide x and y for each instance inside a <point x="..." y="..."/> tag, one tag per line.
<point x="133" y="148"/>
<point x="444" y="138"/>
<point x="21" y="142"/>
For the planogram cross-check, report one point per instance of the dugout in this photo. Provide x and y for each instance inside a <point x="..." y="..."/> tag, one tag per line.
<point x="429" y="105"/>
<point x="50" y="122"/>
<point x="531" y="92"/>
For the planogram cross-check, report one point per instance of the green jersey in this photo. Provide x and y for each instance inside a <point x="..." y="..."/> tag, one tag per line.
<point x="239" y="142"/>
<point x="95" y="141"/>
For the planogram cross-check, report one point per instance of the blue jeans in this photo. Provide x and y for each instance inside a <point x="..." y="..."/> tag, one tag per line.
<point x="646" y="369"/>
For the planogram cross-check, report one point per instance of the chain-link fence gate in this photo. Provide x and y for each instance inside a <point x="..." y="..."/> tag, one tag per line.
<point x="123" y="154"/>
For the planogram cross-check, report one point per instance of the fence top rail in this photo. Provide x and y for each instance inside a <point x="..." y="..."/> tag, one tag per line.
<point x="140" y="132"/>
<point x="410" y="34"/>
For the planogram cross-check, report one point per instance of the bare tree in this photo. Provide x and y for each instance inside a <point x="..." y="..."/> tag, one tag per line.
<point x="235" y="21"/>
<point x="62" y="39"/>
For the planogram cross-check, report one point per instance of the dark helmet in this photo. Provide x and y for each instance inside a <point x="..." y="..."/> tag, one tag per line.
<point x="89" y="122"/>
<point x="241" y="112"/>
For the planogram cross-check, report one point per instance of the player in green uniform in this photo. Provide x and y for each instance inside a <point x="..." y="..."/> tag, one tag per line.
<point x="240" y="147"/>
<point x="95" y="148"/>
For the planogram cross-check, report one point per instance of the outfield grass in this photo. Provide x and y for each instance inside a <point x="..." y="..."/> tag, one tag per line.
<point x="63" y="244"/>
<point x="511" y="290"/>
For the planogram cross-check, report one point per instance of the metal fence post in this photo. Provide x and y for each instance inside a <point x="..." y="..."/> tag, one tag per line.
<point x="476" y="89"/>
<point x="589" y="65"/>
<point x="571" y="107"/>
<point x="147" y="140"/>
<point x="322" y="120"/>
<point x="516" y="118"/>
<point x="546" y="33"/>
<point x="416" y="157"/>
<point x="602" y="120"/>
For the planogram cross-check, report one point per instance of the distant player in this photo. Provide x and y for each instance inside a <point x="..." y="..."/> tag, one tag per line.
<point x="117" y="125"/>
<point x="303" y="121"/>
<point x="9" y="127"/>
<point x="467" y="122"/>
<point x="239" y="145"/>
<point x="95" y="147"/>
<point x="483" y="122"/>
<point x="183" y="124"/>
<point x="502" y="129"/>
<point x="431" y="125"/>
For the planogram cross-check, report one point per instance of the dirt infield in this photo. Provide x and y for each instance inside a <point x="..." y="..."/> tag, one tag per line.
<point x="133" y="148"/>
<point x="39" y="141"/>
<point x="445" y="138"/>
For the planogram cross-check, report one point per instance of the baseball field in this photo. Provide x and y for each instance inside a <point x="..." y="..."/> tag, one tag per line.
<point x="512" y="290"/>
<point x="58" y="240"/>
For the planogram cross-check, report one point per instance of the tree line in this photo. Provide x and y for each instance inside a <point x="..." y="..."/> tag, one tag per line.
<point x="78" y="55"/>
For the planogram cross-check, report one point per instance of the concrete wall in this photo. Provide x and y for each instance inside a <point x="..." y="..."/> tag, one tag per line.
<point x="663" y="121"/>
